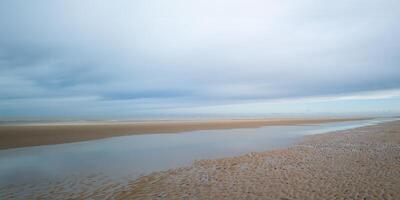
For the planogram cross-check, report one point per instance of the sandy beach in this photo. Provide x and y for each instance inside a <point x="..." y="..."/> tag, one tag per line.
<point x="358" y="163"/>
<point x="199" y="100"/>
<point x="12" y="136"/>
<point x="361" y="163"/>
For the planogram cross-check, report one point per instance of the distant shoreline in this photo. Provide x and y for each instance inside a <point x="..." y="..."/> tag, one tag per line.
<point x="14" y="136"/>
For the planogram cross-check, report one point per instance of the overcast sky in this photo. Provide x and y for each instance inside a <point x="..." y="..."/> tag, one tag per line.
<point x="128" y="58"/>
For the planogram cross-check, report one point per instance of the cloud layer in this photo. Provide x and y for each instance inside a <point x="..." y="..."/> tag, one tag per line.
<point x="74" y="57"/>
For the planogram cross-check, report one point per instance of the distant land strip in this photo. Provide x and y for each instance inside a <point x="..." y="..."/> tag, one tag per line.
<point x="13" y="136"/>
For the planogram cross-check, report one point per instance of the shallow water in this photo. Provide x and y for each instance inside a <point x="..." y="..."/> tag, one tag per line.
<point x="132" y="156"/>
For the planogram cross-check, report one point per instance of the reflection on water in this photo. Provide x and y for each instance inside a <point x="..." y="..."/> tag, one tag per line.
<point x="132" y="156"/>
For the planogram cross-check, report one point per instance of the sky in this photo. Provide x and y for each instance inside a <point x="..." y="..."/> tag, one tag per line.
<point x="125" y="58"/>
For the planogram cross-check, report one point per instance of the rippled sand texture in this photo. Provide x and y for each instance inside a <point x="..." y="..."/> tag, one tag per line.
<point x="96" y="186"/>
<point x="362" y="163"/>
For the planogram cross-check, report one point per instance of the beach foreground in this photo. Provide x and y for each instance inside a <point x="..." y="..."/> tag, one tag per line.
<point x="362" y="163"/>
<point x="12" y="136"/>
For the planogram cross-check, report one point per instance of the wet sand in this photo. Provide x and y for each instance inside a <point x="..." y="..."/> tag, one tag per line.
<point x="362" y="163"/>
<point x="12" y="136"/>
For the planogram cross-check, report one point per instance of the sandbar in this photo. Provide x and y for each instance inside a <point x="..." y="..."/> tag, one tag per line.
<point x="13" y="136"/>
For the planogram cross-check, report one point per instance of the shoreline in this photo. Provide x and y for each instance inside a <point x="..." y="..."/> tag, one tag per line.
<point x="360" y="163"/>
<point x="14" y="136"/>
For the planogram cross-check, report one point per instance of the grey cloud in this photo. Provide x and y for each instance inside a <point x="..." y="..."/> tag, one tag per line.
<point x="196" y="53"/>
